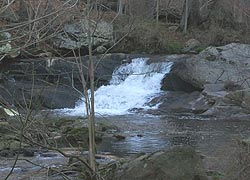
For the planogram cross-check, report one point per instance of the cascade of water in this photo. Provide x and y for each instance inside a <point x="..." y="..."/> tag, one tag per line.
<point x="132" y="86"/>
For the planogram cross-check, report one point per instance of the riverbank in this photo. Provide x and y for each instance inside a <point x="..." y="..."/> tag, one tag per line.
<point x="187" y="105"/>
<point x="132" y="139"/>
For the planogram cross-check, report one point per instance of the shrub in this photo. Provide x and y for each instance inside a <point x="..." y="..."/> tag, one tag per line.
<point x="174" y="47"/>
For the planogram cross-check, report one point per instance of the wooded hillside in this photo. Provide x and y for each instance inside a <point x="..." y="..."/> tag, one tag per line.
<point x="159" y="26"/>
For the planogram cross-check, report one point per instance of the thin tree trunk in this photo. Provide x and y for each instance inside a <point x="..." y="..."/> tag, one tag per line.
<point x="167" y="7"/>
<point x="119" y="6"/>
<point x="186" y="16"/>
<point x="91" y="115"/>
<point x="157" y="11"/>
<point x="23" y="11"/>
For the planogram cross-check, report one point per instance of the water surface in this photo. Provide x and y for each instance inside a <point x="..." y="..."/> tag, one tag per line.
<point x="145" y="134"/>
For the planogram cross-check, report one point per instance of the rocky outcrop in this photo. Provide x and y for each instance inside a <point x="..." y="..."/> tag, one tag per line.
<point x="219" y="74"/>
<point x="215" y="65"/>
<point x="181" y="102"/>
<point x="179" y="163"/>
<point x="52" y="83"/>
<point x="75" y="36"/>
<point x="214" y="82"/>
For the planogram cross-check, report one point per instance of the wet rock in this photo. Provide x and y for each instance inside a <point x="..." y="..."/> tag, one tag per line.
<point x="219" y="74"/>
<point x="7" y="153"/>
<point x="52" y="87"/>
<point x="9" y="142"/>
<point x="179" y="163"/>
<point x="8" y="138"/>
<point x="181" y="102"/>
<point x="239" y="97"/>
<point x="171" y="82"/>
<point x="76" y="136"/>
<point x="73" y="133"/>
<point x="201" y="105"/>
<point x="28" y="152"/>
<point x="49" y="154"/>
<point x="214" y="90"/>
<point x="226" y="102"/>
<point x="106" y="127"/>
<point x="119" y="137"/>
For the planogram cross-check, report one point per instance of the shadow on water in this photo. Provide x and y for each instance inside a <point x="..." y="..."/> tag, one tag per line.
<point x="145" y="134"/>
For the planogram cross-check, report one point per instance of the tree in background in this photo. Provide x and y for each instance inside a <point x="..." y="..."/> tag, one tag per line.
<point x="32" y="30"/>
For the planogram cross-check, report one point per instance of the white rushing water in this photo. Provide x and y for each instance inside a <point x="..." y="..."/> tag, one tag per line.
<point x="132" y="86"/>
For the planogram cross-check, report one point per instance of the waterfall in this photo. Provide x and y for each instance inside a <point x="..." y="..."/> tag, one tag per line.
<point x="132" y="86"/>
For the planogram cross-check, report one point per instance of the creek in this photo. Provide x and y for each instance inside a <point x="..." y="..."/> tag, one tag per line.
<point x="125" y="100"/>
<point x="124" y="103"/>
<point x="132" y="87"/>
<point x="146" y="134"/>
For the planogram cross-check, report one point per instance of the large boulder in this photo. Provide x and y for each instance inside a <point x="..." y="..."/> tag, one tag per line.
<point x="179" y="163"/>
<point x="181" y="102"/>
<point x="221" y="77"/>
<point x="53" y="83"/>
<point x="214" y="65"/>
<point x="227" y="102"/>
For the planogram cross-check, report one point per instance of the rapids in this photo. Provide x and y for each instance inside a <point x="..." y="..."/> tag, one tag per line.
<point x="131" y="87"/>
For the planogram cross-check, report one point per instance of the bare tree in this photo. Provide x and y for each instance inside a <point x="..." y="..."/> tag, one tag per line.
<point x="186" y="16"/>
<point x="157" y="10"/>
<point x="36" y="24"/>
<point x="91" y="115"/>
<point x="120" y="7"/>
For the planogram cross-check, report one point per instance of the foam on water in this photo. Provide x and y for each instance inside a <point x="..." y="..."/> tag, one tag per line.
<point x="132" y="86"/>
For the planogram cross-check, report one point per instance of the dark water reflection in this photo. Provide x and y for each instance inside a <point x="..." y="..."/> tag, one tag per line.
<point x="146" y="134"/>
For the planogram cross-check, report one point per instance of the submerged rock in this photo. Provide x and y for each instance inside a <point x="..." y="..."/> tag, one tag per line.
<point x="179" y="163"/>
<point x="119" y="137"/>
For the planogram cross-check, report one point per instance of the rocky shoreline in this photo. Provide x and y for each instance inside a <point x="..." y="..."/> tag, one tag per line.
<point x="213" y="84"/>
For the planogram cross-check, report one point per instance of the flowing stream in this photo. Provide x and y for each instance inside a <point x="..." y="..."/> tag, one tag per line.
<point x="146" y="134"/>
<point x="132" y="86"/>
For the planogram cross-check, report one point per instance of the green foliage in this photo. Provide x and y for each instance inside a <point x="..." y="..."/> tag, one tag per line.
<point x="2" y="37"/>
<point x="5" y="36"/>
<point x="174" y="47"/>
<point x="199" y="49"/>
<point x="216" y="175"/>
